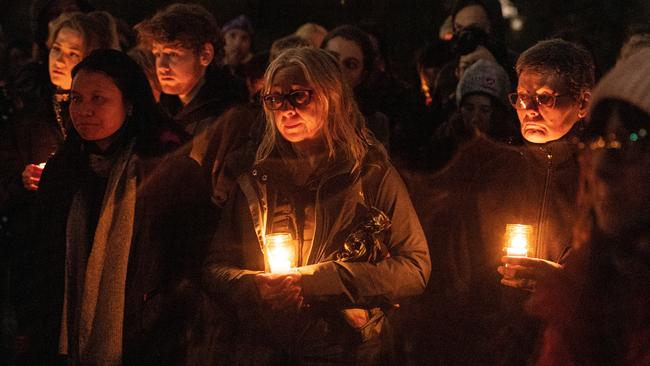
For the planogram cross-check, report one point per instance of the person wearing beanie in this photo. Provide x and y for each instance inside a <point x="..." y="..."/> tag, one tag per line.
<point x="596" y="308"/>
<point x="482" y="110"/>
<point x="483" y="88"/>
<point x="238" y="35"/>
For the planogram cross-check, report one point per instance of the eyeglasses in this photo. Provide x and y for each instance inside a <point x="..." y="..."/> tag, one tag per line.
<point x="523" y="101"/>
<point x="297" y="98"/>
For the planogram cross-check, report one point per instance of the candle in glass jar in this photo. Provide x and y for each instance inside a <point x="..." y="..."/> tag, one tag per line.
<point x="280" y="253"/>
<point x="517" y="238"/>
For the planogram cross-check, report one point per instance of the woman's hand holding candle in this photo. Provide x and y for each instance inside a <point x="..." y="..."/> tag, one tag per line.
<point x="32" y="175"/>
<point x="282" y="291"/>
<point x="523" y="272"/>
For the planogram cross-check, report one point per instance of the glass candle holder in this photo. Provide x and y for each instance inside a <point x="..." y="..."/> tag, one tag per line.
<point x="517" y="239"/>
<point x="280" y="253"/>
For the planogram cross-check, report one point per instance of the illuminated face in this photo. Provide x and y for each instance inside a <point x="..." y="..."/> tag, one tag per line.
<point x="237" y="46"/>
<point x="541" y="124"/>
<point x="618" y="179"/>
<point x="66" y="52"/>
<point x="97" y="108"/>
<point x="296" y="124"/>
<point x="476" y="110"/>
<point x="472" y="15"/>
<point x="179" y="69"/>
<point x="350" y="57"/>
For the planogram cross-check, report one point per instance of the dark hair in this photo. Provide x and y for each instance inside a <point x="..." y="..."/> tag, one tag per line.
<point x="190" y="25"/>
<point x="361" y="38"/>
<point x="570" y="61"/>
<point x="146" y="120"/>
<point x="498" y="25"/>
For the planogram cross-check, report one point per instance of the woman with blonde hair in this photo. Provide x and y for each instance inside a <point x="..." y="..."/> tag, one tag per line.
<point x="322" y="188"/>
<point x="38" y="129"/>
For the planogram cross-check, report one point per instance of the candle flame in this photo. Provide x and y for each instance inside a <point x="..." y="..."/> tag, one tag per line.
<point x="517" y="237"/>
<point x="280" y="253"/>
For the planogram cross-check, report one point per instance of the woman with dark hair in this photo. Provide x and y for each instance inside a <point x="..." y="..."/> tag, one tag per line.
<point x="110" y="198"/>
<point x="597" y="307"/>
<point x="480" y="33"/>
<point x="323" y="192"/>
<point x="357" y="56"/>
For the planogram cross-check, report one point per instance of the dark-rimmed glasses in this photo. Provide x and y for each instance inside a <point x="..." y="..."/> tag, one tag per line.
<point x="297" y="98"/>
<point x="523" y="101"/>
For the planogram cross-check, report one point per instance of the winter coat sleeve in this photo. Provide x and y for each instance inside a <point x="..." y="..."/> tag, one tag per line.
<point x="233" y="256"/>
<point x="403" y="273"/>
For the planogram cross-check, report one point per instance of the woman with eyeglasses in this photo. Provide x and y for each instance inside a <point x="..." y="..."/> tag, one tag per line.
<point x="489" y="186"/>
<point x="597" y="308"/>
<point x="326" y="186"/>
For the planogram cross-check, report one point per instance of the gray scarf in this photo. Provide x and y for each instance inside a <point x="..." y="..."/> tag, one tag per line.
<point x="93" y="313"/>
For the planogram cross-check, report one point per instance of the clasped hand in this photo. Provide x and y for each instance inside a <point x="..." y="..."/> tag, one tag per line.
<point x="282" y="291"/>
<point x="523" y="272"/>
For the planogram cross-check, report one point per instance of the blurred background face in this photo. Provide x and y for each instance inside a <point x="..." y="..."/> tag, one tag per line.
<point x="476" y="110"/>
<point x="296" y="124"/>
<point x="618" y="179"/>
<point x="237" y="46"/>
<point x="541" y="124"/>
<point x="350" y="57"/>
<point x="66" y="52"/>
<point x="97" y="108"/>
<point x="179" y="69"/>
<point x="472" y="15"/>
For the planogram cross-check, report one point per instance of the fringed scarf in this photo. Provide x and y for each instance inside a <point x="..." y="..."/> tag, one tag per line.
<point x="93" y="314"/>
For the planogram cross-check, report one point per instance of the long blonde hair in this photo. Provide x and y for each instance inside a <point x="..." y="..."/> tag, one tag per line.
<point x="344" y="130"/>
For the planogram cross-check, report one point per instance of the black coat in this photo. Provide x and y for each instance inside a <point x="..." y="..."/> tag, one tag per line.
<point x="30" y="138"/>
<point x="464" y="213"/>
<point x="220" y="92"/>
<point x="173" y="221"/>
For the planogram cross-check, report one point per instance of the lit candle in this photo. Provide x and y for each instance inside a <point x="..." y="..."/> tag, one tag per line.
<point x="517" y="238"/>
<point x="41" y="165"/>
<point x="280" y="253"/>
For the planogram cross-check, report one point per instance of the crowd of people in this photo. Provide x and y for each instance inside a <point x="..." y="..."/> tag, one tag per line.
<point x="170" y="197"/>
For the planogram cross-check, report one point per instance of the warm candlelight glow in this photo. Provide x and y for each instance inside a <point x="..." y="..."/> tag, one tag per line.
<point x="41" y="165"/>
<point x="280" y="253"/>
<point x="517" y="239"/>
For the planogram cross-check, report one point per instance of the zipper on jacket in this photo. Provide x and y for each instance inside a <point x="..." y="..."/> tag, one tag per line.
<point x="541" y="229"/>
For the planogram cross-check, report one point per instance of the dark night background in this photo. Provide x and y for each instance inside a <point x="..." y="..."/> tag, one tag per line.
<point x="404" y="24"/>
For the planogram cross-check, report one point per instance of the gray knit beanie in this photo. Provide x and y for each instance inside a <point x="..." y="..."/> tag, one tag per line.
<point x="628" y="81"/>
<point x="486" y="77"/>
